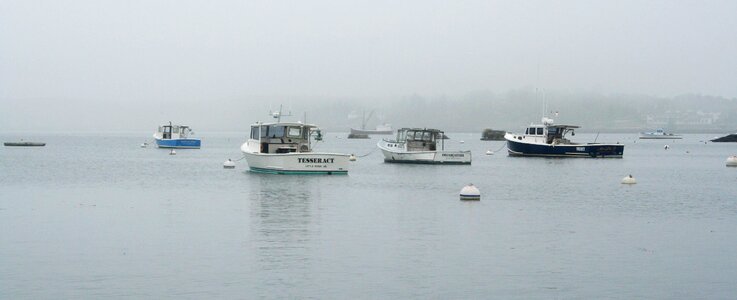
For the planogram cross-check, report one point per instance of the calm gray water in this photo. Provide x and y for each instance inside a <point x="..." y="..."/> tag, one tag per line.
<point x="95" y="216"/>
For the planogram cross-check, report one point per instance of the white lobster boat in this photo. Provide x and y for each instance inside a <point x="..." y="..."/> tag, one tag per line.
<point x="286" y="148"/>
<point x="420" y="146"/>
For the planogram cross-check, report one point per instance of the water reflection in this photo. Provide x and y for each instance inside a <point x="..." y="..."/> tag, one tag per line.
<point x="284" y="225"/>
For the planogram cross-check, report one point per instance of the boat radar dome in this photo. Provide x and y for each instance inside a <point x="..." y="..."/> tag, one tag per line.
<point x="470" y="192"/>
<point x="547" y="121"/>
<point x="628" y="180"/>
<point x="229" y="164"/>
<point x="732" y="161"/>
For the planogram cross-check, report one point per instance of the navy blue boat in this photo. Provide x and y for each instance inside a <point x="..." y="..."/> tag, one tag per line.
<point x="549" y="140"/>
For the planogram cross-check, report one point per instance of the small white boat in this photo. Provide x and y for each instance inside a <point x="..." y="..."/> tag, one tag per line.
<point x="659" y="134"/>
<point x="176" y="136"/>
<point x="286" y="148"/>
<point x="420" y="146"/>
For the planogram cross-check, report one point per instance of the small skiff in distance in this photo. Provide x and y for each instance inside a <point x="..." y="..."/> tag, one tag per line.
<point x="24" y="144"/>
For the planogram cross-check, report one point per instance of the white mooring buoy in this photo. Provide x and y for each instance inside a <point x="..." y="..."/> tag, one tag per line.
<point x="666" y="147"/>
<point x="628" y="180"/>
<point x="470" y="192"/>
<point x="732" y="161"/>
<point x="352" y="157"/>
<point x="172" y="152"/>
<point x="144" y="145"/>
<point x="461" y="141"/>
<point x="229" y="164"/>
<point x="489" y="152"/>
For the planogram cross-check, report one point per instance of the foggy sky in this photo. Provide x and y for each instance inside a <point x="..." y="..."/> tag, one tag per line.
<point x="140" y="63"/>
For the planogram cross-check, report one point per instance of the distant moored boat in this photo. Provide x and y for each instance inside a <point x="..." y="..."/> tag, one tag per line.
<point x="659" y="134"/>
<point x="727" y="138"/>
<point x="24" y="144"/>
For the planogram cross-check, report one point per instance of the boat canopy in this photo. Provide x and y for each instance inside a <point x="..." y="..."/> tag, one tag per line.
<point x="420" y="139"/>
<point x="283" y="137"/>
<point x="170" y="131"/>
<point x="418" y="134"/>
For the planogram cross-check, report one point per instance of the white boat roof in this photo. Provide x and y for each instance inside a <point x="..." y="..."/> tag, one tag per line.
<point x="557" y="126"/>
<point x="286" y="124"/>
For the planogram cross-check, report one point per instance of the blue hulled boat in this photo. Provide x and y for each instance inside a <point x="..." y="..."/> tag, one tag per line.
<point x="549" y="140"/>
<point x="176" y="136"/>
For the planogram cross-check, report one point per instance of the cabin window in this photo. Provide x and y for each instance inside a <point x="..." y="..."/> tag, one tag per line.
<point x="264" y="131"/>
<point x="401" y="136"/>
<point x="418" y="135"/>
<point x="294" y="132"/>
<point x="254" y="132"/>
<point x="539" y="131"/>
<point x="410" y="135"/>
<point x="531" y="131"/>
<point x="427" y="136"/>
<point x="276" y="131"/>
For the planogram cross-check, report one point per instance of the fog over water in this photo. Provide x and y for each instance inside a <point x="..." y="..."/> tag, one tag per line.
<point x="112" y="65"/>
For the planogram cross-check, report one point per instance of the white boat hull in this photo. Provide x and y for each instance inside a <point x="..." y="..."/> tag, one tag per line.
<point x="660" y="137"/>
<point x="298" y="163"/>
<point x="396" y="155"/>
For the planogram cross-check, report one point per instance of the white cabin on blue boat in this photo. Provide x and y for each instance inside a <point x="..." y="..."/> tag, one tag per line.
<point x="176" y="136"/>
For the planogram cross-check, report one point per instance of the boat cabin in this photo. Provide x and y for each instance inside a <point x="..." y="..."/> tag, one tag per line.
<point x="170" y="131"/>
<point x="420" y="139"/>
<point x="552" y="134"/>
<point x="283" y="137"/>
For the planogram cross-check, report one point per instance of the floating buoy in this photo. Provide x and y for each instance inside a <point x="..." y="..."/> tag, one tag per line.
<point x="229" y="164"/>
<point x="172" y="152"/>
<point x="732" y="161"/>
<point x="461" y="141"/>
<point x="489" y="152"/>
<point x="352" y="157"/>
<point x="628" y="180"/>
<point x="666" y="147"/>
<point x="144" y="145"/>
<point x="470" y="192"/>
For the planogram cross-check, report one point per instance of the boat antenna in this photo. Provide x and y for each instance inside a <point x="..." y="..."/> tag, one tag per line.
<point x="277" y="115"/>
<point x="597" y="137"/>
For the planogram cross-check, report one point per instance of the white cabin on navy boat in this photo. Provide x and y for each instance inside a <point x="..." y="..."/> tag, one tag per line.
<point x="548" y="139"/>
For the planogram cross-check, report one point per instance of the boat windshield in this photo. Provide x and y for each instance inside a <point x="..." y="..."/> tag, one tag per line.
<point x="401" y="135"/>
<point x="294" y="132"/>
<point x="276" y="131"/>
